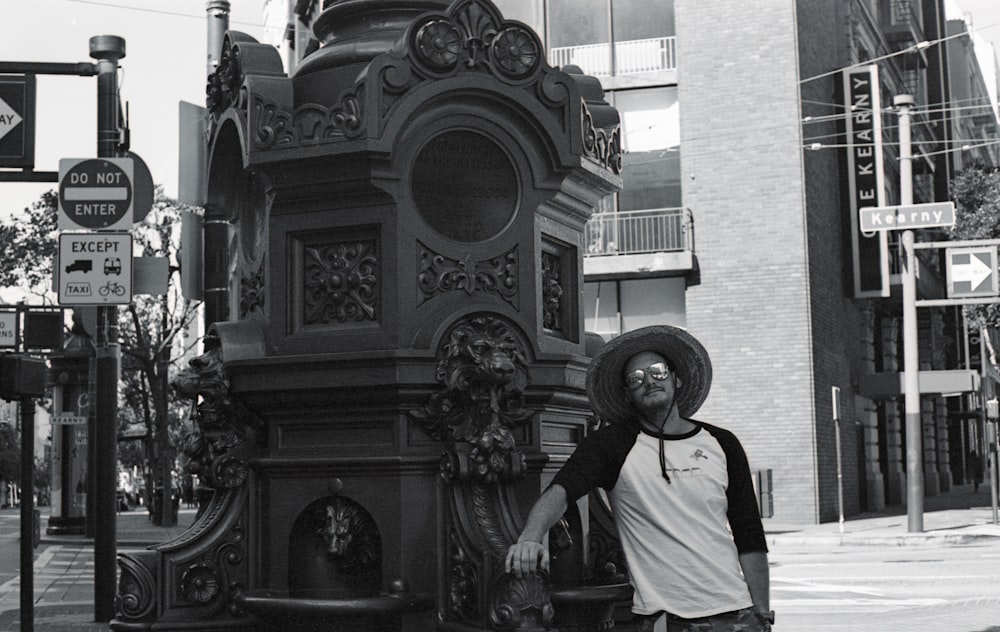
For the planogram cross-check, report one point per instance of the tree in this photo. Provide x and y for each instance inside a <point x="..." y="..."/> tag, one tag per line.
<point x="29" y="247"/>
<point x="976" y="192"/>
<point x="149" y="328"/>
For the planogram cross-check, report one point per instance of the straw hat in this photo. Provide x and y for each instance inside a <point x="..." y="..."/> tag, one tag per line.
<point x="689" y="358"/>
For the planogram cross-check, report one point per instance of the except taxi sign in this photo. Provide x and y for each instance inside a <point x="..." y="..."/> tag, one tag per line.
<point x="907" y="217"/>
<point x="95" y="269"/>
<point x="95" y="193"/>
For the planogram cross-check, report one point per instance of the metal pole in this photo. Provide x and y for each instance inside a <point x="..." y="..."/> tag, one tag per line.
<point x="218" y="24"/>
<point x="107" y="49"/>
<point x="835" y="396"/>
<point x="911" y="347"/>
<point x="27" y="414"/>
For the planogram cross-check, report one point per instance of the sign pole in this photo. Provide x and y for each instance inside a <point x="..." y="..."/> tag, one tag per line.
<point x="911" y="348"/>
<point x="835" y="396"/>
<point x="26" y="407"/>
<point x="107" y="50"/>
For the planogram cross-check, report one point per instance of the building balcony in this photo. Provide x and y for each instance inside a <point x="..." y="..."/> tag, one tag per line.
<point x="646" y="243"/>
<point x="631" y="57"/>
<point x="902" y="24"/>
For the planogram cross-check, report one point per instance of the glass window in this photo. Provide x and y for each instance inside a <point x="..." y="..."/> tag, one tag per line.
<point x="578" y="22"/>
<point x="651" y="140"/>
<point x="643" y="19"/>
<point x="531" y="12"/>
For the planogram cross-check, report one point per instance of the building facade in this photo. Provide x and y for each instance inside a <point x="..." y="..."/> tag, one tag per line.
<point x="742" y="174"/>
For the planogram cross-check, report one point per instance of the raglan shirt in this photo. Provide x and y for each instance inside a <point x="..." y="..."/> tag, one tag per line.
<point x="681" y="555"/>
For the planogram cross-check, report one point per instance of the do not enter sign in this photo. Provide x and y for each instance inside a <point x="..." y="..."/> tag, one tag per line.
<point x="95" y="194"/>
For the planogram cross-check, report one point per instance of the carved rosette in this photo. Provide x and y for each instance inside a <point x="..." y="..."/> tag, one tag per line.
<point x="341" y="283"/>
<point x="208" y="581"/>
<point x="200" y="583"/>
<point x="437" y="274"/>
<point x="474" y="36"/>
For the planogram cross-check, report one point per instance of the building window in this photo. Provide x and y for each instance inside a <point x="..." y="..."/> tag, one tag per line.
<point x="604" y="38"/>
<point x="651" y="140"/>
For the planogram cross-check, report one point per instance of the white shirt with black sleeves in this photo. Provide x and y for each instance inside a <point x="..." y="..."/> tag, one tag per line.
<point x="681" y="538"/>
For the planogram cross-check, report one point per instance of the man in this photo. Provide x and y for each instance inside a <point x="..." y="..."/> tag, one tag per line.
<point x="680" y="490"/>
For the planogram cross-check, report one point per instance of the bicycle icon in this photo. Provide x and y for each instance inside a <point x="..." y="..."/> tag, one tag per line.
<point x="110" y="288"/>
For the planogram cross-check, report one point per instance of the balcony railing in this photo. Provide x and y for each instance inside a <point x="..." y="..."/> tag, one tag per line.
<point x="638" y="232"/>
<point x="631" y="57"/>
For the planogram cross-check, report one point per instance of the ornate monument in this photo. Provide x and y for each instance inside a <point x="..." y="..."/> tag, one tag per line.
<point x="396" y="360"/>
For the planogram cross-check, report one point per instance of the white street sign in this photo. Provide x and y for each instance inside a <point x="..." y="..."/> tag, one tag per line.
<point x="9" y="119"/>
<point x="8" y="329"/>
<point x="68" y="420"/>
<point x="95" y="269"/>
<point x="972" y="271"/>
<point x="908" y="217"/>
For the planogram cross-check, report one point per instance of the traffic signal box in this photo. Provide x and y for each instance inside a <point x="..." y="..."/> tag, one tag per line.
<point x="21" y="376"/>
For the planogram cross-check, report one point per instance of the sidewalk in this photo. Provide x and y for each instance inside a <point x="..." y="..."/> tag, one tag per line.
<point x="957" y="517"/>
<point x="64" y="572"/>
<point x="64" y="565"/>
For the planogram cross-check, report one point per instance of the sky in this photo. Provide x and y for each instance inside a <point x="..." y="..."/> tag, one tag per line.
<point x="165" y="64"/>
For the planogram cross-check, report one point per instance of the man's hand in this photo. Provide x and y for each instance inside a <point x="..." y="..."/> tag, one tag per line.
<point x="525" y="557"/>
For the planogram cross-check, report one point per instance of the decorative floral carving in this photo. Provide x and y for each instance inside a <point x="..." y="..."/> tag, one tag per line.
<point x="310" y="124"/>
<point x="221" y="425"/>
<point x="200" y="583"/>
<point x="340" y="282"/>
<point x="439" y="43"/>
<point x="603" y="146"/>
<point x="483" y="368"/>
<point x="224" y="84"/>
<point x="552" y="292"/>
<point x="438" y="274"/>
<point x="463" y="579"/>
<point x="516" y="51"/>
<point x="136" y="595"/>
<point x="474" y="35"/>
<point x="521" y="603"/>
<point x="252" y="293"/>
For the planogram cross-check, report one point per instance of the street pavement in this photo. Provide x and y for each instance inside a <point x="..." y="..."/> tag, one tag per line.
<point x="957" y="525"/>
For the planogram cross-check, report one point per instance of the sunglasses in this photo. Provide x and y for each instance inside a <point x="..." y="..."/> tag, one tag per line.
<point x="635" y="379"/>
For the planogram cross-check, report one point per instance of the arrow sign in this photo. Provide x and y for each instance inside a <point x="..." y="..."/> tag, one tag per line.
<point x="972" y="271"/>
<point x="17" y="125"/>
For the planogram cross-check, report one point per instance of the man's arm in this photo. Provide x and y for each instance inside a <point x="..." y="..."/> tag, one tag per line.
<point x="757" y="574"/>
<point x="528" y="554"/>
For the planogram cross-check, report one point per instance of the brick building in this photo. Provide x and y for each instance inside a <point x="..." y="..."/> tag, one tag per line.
<point x="736" y="217"/>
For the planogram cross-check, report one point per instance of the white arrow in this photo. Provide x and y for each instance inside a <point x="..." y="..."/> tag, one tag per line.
<point x="9" y="119"/>
<point x="974" y="272"/>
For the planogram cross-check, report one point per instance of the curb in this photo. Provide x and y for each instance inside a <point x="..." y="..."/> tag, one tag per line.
<point x="848" y="539"/>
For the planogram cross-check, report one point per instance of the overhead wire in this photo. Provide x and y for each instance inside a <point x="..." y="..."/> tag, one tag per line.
<point x="158" y="11"/>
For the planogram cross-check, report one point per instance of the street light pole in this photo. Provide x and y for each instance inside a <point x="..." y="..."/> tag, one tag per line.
<point x="107" y="50"/>
<point x="911" y="347"/>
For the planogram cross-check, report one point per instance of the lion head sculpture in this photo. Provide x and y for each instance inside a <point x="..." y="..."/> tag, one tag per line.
<point x="483" y="368"/>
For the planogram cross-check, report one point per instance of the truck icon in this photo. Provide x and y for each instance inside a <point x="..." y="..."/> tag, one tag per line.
<point x="80" y="265"/>
<point x="112" y="265"/>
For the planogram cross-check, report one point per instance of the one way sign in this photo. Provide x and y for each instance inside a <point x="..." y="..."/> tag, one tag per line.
<point x="972" y="272"/>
